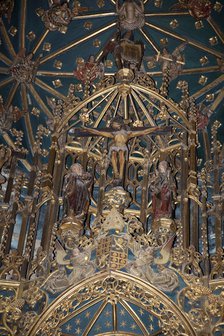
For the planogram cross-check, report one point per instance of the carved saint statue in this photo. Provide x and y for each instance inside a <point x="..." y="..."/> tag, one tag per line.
<point x="163" y="189"/>
<point x="130" y="14"/>
<point x="118" y="150"/>
<point x="77" y="190"/>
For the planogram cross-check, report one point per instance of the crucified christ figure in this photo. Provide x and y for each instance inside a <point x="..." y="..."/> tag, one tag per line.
<point x="118" y="150"/>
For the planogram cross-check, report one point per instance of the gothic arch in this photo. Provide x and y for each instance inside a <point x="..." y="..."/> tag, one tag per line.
<point x="113" y="287"/>
<point x="112" y="91"/>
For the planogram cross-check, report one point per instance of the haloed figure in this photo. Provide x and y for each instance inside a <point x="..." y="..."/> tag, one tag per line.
<point x="77" y="190"/>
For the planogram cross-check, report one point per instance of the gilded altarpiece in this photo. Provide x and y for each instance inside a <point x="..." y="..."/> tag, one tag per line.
<point x="111" y="217"/>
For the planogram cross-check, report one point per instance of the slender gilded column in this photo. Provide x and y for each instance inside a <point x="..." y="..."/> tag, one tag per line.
<point x="192" y="180"/>
<point x="204" y="224"/>
<point x="145" y="191"/>
<point x="216" y="188"/>
<point x="185" y="214"/>
<point x="28" y="204"/>
<point x="56" y="170"/>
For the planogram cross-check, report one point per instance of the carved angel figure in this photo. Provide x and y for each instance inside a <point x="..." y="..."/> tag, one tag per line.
<point x="142" y="267"/>
<point x="77" y="190"/>
<point x="79" y="261"/>
<point x="127" y="53"/>
<point x="163" y="188"/>
<point x="82" y="266"/>
<point x="171" y="62"/>
<point x="130" y="14"/>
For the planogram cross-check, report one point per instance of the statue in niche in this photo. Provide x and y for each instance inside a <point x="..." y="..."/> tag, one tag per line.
<point x="130" y="14"/>
<point x="118" y="150"/>
<point x="163" y="188"/>
<point x="77" y="191"/>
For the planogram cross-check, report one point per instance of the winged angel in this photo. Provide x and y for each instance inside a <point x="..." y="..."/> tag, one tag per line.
<point x="172" y="62"/>
<point x="149" y="268"/>
<point x="75" y="260"/>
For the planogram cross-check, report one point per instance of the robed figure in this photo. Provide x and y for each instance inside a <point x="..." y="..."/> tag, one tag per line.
<point x="77" y="190"/>
<point x="163" y="189"/>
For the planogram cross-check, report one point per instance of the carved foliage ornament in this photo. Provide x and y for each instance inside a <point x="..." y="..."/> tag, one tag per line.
<point x="23" y="68"/>
<point x="204" y="308"/>
<point x="57" y="17"/>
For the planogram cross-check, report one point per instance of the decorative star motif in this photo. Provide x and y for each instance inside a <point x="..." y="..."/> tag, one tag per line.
<point x="68" y="327"/>
<point x="78" y="321"/>
<point x="123" y="323"/>
<point x="98" y="327"/>
<point x="141" y="311"/>
<point x="78" y="331"/>
<point x="150" y="318"/>
<point x="87" y="314"/>
<point x="122" y="312"/>
<point x="107" y="313"/>
<point x="108" y="324"/>
<point x="133" y="326"/>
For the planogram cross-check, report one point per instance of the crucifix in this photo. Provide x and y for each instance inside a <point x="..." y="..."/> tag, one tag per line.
<point x="118" y="150"/>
